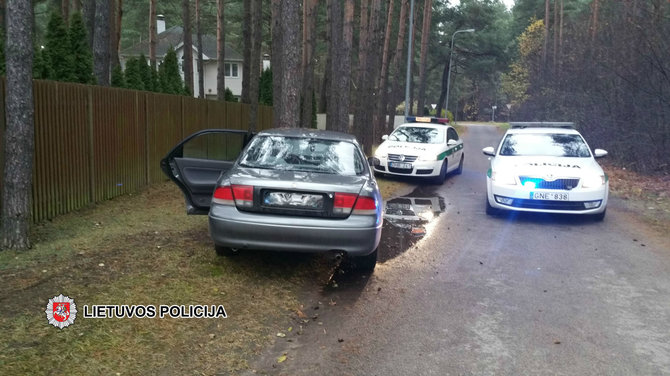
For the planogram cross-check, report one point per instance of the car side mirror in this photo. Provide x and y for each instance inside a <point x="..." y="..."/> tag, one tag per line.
<point x="385" y="137"/>
<point x="599" y="153"/>
<point x="489" y="151"/>
<point x="452" y="142"/>
<point x="371" y="161"/>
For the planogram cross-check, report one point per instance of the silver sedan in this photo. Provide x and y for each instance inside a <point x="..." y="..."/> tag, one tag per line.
<point x="297" y="190"/>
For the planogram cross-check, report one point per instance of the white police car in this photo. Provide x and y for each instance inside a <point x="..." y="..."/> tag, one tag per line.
<point x="423" y="147"/>
<point x="546" y="167"/>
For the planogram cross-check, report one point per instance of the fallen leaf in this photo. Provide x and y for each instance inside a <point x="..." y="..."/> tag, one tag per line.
<point x="281" y="335"/>
<point x="281" y="359"/>
<point x="290" y="328"/>
<point x="301" y="314"/>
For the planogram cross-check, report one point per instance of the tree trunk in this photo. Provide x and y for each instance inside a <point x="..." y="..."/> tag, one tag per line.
<point x="153" y="33"/>
<point x="545" y="46"/>
<point x="89" y="20"/>
<point x="201" y="72"/>
<point x="19" y="134"/>
<point x="255" y="61"/>
<point x="594" y="23"/>
<point x="188" y="45"/>
<point x="361" y="127"/>
<point x="425" y="38"/>
<point x="115" y="17"/>
<point x="276" y="62"/>
<point x="395" y="66"/>
<point x="335" y="52"/>
<point x="76" y="5"/>
<point x="560" y="40"/>
<point x="443" y="92"/>
<point x="221" y="51"/>
<point x="326" y="83"/>
<point x="308" y="46"/>
<point x="101" y="42"/>
<point x="246" y="49"/>
<point x="554" y="59"/>
<point x="289" y="95"/>
<point x="344" y="80"/>
<point x="382" y="97"/>
<point x="65" y="11"/>
<point x="411" y="61"/>
<point x="376" y="41"/>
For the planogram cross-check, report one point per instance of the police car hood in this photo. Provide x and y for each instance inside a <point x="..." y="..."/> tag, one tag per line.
<point x="554" y="167"/>
<point x="409" y="148"/>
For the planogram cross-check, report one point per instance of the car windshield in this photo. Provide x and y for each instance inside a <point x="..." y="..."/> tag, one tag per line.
<point x="303" y="154"/>
<point x="418" y="135"/>
<point x="544" y="144"/>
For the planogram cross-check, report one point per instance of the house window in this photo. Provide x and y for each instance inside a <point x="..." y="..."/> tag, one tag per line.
<point x="231" y="70"/>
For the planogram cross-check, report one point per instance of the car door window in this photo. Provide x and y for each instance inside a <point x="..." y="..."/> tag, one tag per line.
<point x="214" y="146"/>
<point x="452" y="135"/>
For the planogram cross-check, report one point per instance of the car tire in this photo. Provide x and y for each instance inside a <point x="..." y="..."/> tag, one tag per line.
<point x="439" y="179"/>
<point x="365" y="263"/>
<point x="600" y="216"/>
<point x="490" y="210"/>
<point x="459" y="170"/>
<point x="226" y="251"/>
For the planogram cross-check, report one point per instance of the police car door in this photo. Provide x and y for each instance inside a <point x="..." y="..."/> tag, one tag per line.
<point x="454" y="148"/>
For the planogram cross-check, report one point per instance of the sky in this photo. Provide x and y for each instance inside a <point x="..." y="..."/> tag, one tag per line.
<point x="508" y="3"/>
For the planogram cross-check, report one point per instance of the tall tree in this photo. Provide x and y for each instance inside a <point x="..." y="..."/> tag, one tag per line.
<point x="220" y="51"/>
<point x="19" y="134"/>
<point x="188" y="44"/>
<point x="277" y="60"/>
<point x="425" y="38"/>
<point x="344" y="79"/>
<point x="82" y="60"/>
<point x="363" y="90"/>
<point x="115" y="19"/>
<point x="308" y="47"/>
<point x="101" y="42"/>
<point x="545" y="47"/>
<point x="288" y="97"/>
<point x="394" y="93"/>
<point x="380" y="121"/>
<point x="246" y="49"/>
<point x="324" y="97"/>
<point x="89" y="20"/>
<point x="153" y="33"/>
<point x="201" y="71"/>
<point x="255" y="60"/>
<point x="57" y="52"/>
<point x="65" y="11"/>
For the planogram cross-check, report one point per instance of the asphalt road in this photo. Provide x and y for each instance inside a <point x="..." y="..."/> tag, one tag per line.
<point x="479" y="295"/>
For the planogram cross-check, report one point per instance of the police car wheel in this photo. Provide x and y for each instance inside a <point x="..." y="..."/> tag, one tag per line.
<point x="490" y="210"/>
<point x="226" y="251"/>
<point x="439" y="179"/>
<point x="459" y="170"/>
<point x="600" y="216"/>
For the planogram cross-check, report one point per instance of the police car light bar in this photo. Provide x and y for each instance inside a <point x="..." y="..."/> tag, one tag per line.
<point x="542" y="124"/>
<point x="426" y="119"/>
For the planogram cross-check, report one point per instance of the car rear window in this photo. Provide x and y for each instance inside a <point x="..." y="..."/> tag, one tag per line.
<point x="544" y="144"/>
<point x="304" y="154"/>
<point x="418" y="135"/>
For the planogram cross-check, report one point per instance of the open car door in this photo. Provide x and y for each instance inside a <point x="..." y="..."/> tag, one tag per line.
<point x="196" y="163"/>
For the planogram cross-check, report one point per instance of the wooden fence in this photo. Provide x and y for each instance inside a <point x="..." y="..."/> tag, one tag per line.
<point x="93" y="143"/>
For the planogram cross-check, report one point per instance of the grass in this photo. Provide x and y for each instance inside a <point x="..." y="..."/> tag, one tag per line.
<point x="142" y="249"/>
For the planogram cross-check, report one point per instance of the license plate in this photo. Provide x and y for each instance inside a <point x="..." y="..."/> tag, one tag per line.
<point x="293" y="200"/>
<point x="551" y="196"/>
<point x="406" y="166"/>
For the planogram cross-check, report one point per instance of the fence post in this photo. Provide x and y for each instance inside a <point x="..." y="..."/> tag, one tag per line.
<point x="91" y="150"/>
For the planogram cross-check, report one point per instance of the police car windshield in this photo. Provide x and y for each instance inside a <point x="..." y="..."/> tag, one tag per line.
<point x="418" y="135"/>
<point x="543" y="144"/>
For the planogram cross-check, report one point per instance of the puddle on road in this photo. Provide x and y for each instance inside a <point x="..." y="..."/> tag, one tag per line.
<point x="405" y="220"/>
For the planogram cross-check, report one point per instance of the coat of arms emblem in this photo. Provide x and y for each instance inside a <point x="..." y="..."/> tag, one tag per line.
<point x="61" y="311"/>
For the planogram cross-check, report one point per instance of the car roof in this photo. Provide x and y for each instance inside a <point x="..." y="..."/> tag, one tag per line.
<point x="424" y="125"/>
<point x="535" y="130"/>
<point x="309" y="133"/>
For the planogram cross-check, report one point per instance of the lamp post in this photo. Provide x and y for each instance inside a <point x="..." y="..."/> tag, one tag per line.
<point x="451" y="56"/>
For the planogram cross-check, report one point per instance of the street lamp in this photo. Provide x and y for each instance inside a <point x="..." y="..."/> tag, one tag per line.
<point x="451" y="56"/>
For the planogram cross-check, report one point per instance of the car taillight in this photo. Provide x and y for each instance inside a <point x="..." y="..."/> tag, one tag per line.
<point x="244" y="195"/>
<point x="365" y="206"/>
<point x="223" y="196"/>
<point x="343" y="204"/>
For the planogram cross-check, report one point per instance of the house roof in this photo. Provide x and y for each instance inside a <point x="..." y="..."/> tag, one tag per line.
<point x="174" y="37"/>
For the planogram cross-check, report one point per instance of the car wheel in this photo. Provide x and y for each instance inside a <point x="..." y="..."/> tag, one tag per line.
<point x="365" y="263"/>
<point x="490" y="210"/>
<point x="459" y="170"/>
<point x="600" y="216"/>
<point x="439" y="179"/>
<point x="226" y="251"/>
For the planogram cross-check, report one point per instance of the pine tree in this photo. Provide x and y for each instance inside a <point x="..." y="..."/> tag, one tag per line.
<point x="82" y="59"/>
<point x="168" y="72"/>
<point x="155" y="81"/>
<point x="265" y="88"/>
<point x="145" y="73"/>
<point x="56" y="53"/>
<point x="132" y="75"/>
<point x="118" y="79"/>
<point x="40" y="68"/>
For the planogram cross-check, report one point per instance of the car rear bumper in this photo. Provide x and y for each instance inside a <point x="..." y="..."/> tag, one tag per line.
<point x="356" y="235"/>
<point x="499" y="197"/>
